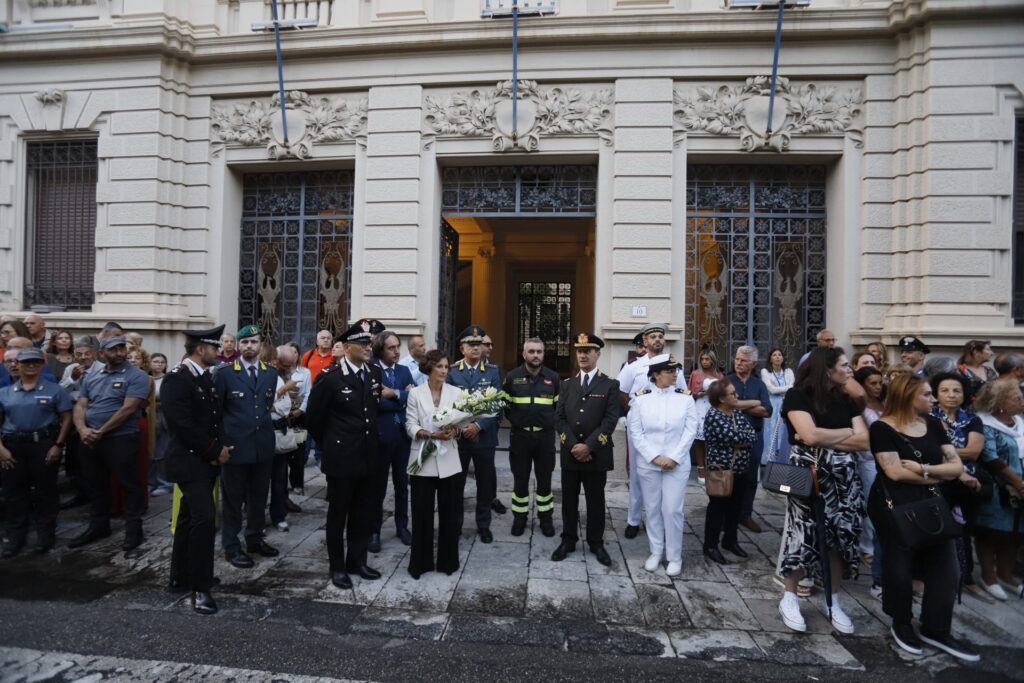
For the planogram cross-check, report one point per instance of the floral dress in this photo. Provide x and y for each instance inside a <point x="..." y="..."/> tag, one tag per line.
<point x="722" y="433"/>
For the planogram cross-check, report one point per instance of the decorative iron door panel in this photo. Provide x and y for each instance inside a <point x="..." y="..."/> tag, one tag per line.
<point x="448" y="267"/>
<point x="545" y="311"/>
<point x="525" y="190"/>
<point x="755" y="244"/>
<point x="296" y="253"/>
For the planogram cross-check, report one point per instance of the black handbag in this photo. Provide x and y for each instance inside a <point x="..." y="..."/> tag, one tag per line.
<point x="925" y="522"/>
<point x="789" y="480"/>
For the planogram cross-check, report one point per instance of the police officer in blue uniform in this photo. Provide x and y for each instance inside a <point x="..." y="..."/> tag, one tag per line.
<point x="480" y="437"/>
<point x="246" y="390"/>
<point x="195" y="452"/>
<point x="35" y="418"/>
<point x="396" y="382"/>
<point x="107" y="419"/>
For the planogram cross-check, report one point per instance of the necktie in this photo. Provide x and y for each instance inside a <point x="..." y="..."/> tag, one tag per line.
<point x="252" y="375"/>
<point x="389" y="373"/>
<point x="586" y="381"/>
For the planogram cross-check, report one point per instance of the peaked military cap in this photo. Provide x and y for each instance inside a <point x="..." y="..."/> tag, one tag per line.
<point x="912" y="343"/>
<point x="638" y="340"/>
<point x="474" y="334"/>
<point x="650" y="328"/>
<point x="30" y="354"/>
<point x="360" y="333"/>
<point x="376" y="326"/>
<point x="111" y="342"/>
<point x="665" y="361"/>
<point x="249" y="331"/>
<point x="210" y="336"/>
<point x="588" y="340"/>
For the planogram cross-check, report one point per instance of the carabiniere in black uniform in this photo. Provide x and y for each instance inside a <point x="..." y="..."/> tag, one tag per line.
<point x="194" y="424"/>
<point x="531" y="412"/>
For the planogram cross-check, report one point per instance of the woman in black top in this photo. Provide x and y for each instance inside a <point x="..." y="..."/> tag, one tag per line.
<point x="826" y="430"/>
<point x="914" y="455"/>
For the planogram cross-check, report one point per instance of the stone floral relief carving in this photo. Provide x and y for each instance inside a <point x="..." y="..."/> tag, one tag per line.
<point x="54" y="96"/>
<point x="541" y="112"/>
<point x="310" y="120"/>
<point x="742" y="110"/>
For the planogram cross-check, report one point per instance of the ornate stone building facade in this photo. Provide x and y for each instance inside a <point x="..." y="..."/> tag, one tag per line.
<point x="634" y="181"/>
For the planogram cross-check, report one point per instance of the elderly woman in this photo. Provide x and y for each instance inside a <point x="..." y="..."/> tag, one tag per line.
<point x="914" y="455"/>
<point x="438" y="478"/>
<point x="662" y="425"/>
<point x="728" y="436"/>
<point x="998" y="525"/>
<point x="825" y="430"/>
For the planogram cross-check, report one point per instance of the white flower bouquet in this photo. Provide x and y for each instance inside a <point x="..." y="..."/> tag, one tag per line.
<point x="480" y="403"/>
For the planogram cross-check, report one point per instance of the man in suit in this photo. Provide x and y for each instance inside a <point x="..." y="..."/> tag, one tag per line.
<point x="394" y="442"/>
<point x="246" y="389"/>
<point x="588" y="410"/>
<point x="342" y="417"/>
<point x="195" y="453"/>
<point x="480" y="437"/>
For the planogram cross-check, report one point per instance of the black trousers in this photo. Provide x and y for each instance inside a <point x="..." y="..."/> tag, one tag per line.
<point x="31" y="483"/>
<point x="536" y="451"/>
<point x="593" y="486"/>
<point x="394" y="458"/>
<point x="279" y="484"/>
<point x="723" y="514"/>
<point x="117" y="456"/>
<point x="194" y="536"/>
<point x="486" y="480"/>
<point x="937" y="566"/>
<point x="447" y="492"/>
<point x="349" y="519"/>
<point x="297" y="467"/>
<point x="248" y="484"/>
<point x="74" y="467"/>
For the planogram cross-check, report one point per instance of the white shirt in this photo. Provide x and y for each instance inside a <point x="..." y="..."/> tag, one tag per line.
<point x="770" y="380"/>
<point x="418" y="377"/>
<point x="304" y="379"/>
<point x="589" y="375"/>
<point x="662" y="422"/>
<point x="633" y="377"/>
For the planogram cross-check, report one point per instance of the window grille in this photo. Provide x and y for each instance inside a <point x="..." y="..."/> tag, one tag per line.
<point x="60" y="249"/>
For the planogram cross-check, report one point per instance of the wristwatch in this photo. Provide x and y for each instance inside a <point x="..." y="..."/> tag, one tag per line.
<point x="924" y="471"/>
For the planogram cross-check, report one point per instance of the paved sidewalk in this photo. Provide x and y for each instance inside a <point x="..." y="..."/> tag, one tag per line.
<point x="510" y="592"/>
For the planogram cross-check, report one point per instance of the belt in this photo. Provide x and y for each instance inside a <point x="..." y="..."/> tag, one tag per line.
<point x="30" y="437"/>
<point x="535" y="429"/>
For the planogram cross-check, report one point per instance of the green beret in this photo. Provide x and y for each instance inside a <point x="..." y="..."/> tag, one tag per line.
<point x="249" y="331"/>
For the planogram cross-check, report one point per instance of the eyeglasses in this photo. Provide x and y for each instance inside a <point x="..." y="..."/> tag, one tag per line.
<point x="487" y="344"/>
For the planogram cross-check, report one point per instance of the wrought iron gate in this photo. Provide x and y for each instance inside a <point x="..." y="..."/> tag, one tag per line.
<point x="755" y="248"/>
<point x="449" y="263"/>
<point x="545" y="311"/>
<point x="506" y="190"/>
<point x="296" y="253"/>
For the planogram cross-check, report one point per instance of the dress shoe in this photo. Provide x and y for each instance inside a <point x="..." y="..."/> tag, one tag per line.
<point x="485" y="535"/>
<point x="716" y="555"/>
<point x="341" y="580"/>
<point x="497" y="507"/>
<point x="131" y="542"/>
<point x="261" y="547"/>
<point x="240" y="560"/>
<point x="547" y="527"/>
<point x="368" y="573"/>
<point x="290" y="506"/>
<point x="736" y="550"/>
<point x="74" y="502"/>
<point x="631" y="531"/>
<point x="750" y="525"/>
<point x="374" y="545"/>
<point x="404" y="536"/>
<point x="91" y="534"/>
<point x="203" y="603"/>
<point x="602" y="555"/>
<point x="519" y="525"/>
<point x="561" y="551"/>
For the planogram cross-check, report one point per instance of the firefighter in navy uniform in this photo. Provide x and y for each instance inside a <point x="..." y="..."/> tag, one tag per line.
<point x="533" y="394"/>
<point x="194" y="455"/>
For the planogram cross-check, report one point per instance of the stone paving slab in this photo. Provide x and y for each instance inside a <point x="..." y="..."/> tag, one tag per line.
<point x="716" y="645"/>
<point x="816" y="650"/>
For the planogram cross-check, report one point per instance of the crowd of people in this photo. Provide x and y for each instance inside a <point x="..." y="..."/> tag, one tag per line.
<point x="235" y="423"/>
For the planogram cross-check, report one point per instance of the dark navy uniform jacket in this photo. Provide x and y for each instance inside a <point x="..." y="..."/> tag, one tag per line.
<point x="588" y="417"/>
<point x="391" y="411"/>
<point x="191" y="409"/>
<point x="34" y="410"/>
<point x="342" y="417"/>
<point x="485" y="374"/>
<point x="247" y="411"/>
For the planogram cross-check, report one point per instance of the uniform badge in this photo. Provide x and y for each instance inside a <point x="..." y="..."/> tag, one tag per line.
<point x="548" y="382"/>
<point x="118" y="385"/>
<point x="561" y="437"/>
<point x="43" y="400"/>
<point x="602" y="439"/>
<point x="519" y="380"/>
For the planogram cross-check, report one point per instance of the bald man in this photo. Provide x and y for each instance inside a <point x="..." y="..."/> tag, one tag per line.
<point x="37" y="331"/>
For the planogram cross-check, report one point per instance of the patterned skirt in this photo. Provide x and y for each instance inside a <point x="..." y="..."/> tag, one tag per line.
<point x="843" y="494"/>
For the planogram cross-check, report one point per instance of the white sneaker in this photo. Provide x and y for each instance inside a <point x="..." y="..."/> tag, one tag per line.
<point x="789" y="608"/>
<point x="840" y="620"/>
<point x="675" y="568"/>
<point x="995" y="590"/>
<point x="282" y="526"/>
<point x="1017" y="590"/>
<point x="653" y="562"/>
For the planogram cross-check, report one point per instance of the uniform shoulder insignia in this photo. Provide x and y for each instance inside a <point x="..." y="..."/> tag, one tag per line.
<point x="682" y="391"/>
<point x="491" y="365"/>
<point x="643" y="391"/>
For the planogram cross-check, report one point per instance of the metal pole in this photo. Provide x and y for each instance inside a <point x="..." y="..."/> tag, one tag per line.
<point x="515" y="72"/>
<point x="775" y="71"/>
<point x="280" y="68"/>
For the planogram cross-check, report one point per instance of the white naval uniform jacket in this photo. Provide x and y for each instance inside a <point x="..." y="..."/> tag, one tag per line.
<point x="662" y="422"/>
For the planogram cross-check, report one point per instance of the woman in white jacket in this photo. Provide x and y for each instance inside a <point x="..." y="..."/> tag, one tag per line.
<point x="438" y="478"/>
<point x="662" y="426"/>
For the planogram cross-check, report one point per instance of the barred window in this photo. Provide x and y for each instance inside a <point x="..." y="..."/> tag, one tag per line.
<point x="1018" y="225"/>
<point x="60" y="254"/>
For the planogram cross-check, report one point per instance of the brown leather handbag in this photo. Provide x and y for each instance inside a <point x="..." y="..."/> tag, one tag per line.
<point x="718" y="482"/>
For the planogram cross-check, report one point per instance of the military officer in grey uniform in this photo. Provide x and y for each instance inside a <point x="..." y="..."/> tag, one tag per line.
<point x="35" y="418"/>
<point x="194" y="456"/>
<point x="480" y="437"/>
<point x="588" y="410"/>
